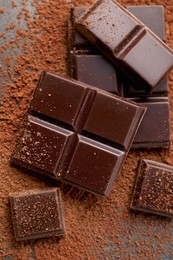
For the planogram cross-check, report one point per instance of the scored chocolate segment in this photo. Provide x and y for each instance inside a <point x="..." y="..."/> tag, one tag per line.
<point x="58" y="100"/>
<point x="153" y="190"/>
<point x="41" y="146"/>
<point x="119" y="116"/>
<point x="149" y="53"/>
<point x="99" y="158"/>
<point x="37" y="214"/>
<point x="98" y="122"/>
<point x="152" y="16"/>
<point x="121" y="40"/>
<point x="154" y="130"/>
<point x="107" y="13"/>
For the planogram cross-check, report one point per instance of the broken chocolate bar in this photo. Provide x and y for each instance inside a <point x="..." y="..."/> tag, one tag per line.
<point x="76" y="133"/>
<point x="37" y="214"/>
<point x="127" y="42"/>
<point x="153" y="190"/>
<point x="93" y="68"/>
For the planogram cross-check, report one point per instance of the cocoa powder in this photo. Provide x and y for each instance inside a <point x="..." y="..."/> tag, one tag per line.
<point x="35" y="39"/>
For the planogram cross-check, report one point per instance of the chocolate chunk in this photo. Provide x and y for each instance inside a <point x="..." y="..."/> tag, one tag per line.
<point x="154" y="130"/>
<point x="94" y="69"/>
<point x="127" y="42"/>
<point x="41" y="145"/>
<point x="76" y="133"/>
<point x="152" y="16"/>
<point x="153" y="190"/>
<point x="37" y="214"/>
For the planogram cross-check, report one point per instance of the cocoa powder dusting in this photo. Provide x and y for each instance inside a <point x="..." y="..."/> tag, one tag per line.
<point x="33" y="38"/>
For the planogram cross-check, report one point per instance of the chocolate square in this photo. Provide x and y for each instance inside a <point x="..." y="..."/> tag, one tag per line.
<point x="41" y="146"/>
<point x="102" y="163"/>
<point x="153" y="190"/>
<point x="37" y="214"/>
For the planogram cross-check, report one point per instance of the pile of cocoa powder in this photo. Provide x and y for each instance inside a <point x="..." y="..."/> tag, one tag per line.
<point x="34" y="38"/>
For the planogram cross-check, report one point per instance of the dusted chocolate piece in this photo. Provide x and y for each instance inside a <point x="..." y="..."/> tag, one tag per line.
<point x="41" y="145"/>
<point x="127" y="42"/>
<point x="37" y="214"/>
<point x="91" y="68"/>
<point x="77" y="133"/>
<point x="152" y="16"/>
<point x="153" y="190"/>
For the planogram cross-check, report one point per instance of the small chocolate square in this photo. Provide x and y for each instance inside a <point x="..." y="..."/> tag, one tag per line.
<point x="154" y="131"/>
<point x="37" y="214"/>
<point x="115" y="116"/>
<point x="153" y="190"/>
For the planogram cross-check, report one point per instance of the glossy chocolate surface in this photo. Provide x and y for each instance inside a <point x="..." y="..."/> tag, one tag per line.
<point x="152" y="16"/>
<point x="77" y="133"/>
<point x="127" y="42"/>
<point x="37" y="214"/>
<point x="95" y="70"/>
<point x="153" y="190"/>
<point x="92" y="68"/>
<point x="154" y="130"/>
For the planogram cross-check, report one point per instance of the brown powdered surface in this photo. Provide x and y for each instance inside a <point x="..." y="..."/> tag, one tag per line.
<point x="34" y="39"/>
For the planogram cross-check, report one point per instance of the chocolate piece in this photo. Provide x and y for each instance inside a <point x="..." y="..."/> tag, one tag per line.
<point x="152" y="16"/>
<point x="154" y="131"/>
<point x="153" y="190"/>
<point x="96" y="71"/>
<point x="76" y="133"/>
<point x="127" y="42"/>
<point x="37" y="214"/>
<point x="41" y="146"/>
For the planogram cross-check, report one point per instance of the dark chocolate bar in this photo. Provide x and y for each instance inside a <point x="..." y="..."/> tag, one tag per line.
<point x="76" y="133"/>
<point x="127" y="42"/>
<point x="37" y="214"/>
<point x="153" y="190"/>
<point x="93" y="68"/>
